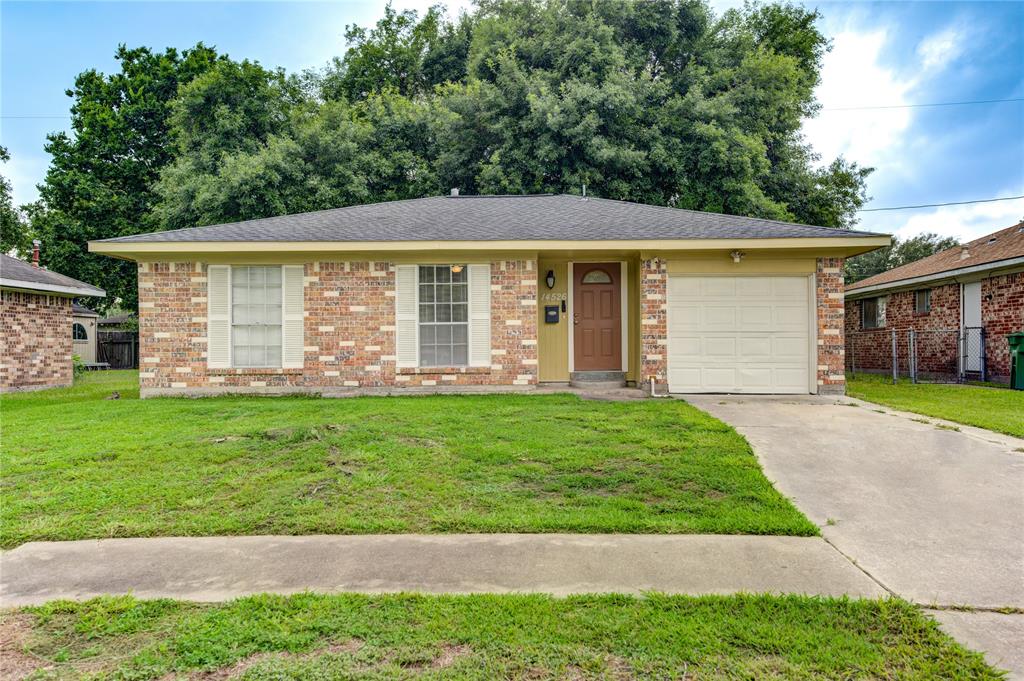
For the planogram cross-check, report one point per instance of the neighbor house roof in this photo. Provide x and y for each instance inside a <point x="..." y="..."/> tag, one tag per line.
<point x="494" y="218"/>
<point x="117" y="319"/>
<point x="82" y="310"/>
<point x="999" y="249"/>
<point x="19" y="274"/>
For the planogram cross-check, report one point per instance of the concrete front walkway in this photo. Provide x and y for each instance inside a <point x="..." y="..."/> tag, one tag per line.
<point x="935" y="515"/>
<point x="220" y="568"/>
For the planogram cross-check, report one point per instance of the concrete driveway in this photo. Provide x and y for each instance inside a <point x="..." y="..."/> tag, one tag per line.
<point x="933" y="514"/>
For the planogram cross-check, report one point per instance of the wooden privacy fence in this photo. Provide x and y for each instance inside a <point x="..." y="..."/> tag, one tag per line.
<point x="119" y="349"/>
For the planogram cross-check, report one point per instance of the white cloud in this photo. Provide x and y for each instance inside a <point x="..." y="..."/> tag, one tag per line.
<point x="853" y="74"/>
<point x="939" y="50"/>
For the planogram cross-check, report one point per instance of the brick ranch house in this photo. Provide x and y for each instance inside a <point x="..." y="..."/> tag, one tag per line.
<point x="36" y="309"/>
<point x="479" y="293"/>
<point x="962" y="292"/>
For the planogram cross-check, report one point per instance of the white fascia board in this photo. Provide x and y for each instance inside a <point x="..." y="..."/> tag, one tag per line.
<point x="32" y="286"/>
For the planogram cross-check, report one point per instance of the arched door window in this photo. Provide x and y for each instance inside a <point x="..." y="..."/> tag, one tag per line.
<point x="596" y="277"/>
<point x="78" y="332"/>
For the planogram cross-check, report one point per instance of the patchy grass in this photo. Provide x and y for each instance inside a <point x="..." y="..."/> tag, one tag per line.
<point x="487" y="637"/>
<point x="76" y="465"/>
<point x="997" y="409"/>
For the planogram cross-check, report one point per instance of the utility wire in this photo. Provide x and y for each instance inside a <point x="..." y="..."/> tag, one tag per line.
<point x="919" y="106"/>
<point x="935" y="205"/>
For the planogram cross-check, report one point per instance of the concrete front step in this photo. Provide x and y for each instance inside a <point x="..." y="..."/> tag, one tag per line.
<point x="598" y="380"/>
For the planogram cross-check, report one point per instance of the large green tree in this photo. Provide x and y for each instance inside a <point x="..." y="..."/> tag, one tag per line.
<point x="13" y="228"/>
<point x="657" y="101"/>
<point x="901" y="252"/>
<point x="100" y="181"/>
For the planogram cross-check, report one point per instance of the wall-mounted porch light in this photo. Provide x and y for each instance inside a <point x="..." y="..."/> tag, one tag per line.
<point x="456" y="269"/>
<point x="737" y="256"/>
<point x="550" y="279"/>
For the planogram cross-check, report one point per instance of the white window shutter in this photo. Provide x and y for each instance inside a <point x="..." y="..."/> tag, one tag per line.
<point x="406" y="317"/>
<point x="292" y="319"/>
<point x="218" y="316"/>
<point x="480" y="315"/>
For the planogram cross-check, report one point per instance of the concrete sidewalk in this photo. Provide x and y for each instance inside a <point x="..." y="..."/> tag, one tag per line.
<point x="221" y="568"/>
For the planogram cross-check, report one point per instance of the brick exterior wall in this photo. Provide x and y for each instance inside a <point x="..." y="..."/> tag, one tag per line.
<point x="831" y="314"/>
<point x="36" y="345"/>
<point x="349" y="334"/>
<point x="1001" y="314"/>
<point x="937" y="332"/>
<point x="654" y="324"/>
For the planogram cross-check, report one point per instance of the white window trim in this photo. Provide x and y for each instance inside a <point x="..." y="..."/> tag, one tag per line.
<point x="468" y="322"/>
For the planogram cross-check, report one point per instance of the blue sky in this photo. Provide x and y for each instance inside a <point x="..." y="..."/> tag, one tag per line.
<point x="884" y="54"/>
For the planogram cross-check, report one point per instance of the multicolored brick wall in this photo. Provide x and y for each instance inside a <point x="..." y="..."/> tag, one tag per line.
<point x="349" y="334"/>
<point x="1002" y="313"/>
<point x="831" y="316"/>
<point x="36" y="345"/>
<point x="937" y="332"/>
<point x="654" y="324"/>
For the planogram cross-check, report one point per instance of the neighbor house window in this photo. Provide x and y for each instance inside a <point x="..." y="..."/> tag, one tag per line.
<point x="256" y="316"/>
<point x="873" y="313"/>
<point x="443" y="315"/>
<point x="78" y="332"/>
<point x="923" y="301"/>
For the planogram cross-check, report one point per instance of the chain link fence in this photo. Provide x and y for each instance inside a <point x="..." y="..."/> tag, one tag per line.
<point x="923" y="356"/>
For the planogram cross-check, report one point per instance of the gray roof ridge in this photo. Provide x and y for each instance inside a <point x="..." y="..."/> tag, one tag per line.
<point x="726" y="215"/>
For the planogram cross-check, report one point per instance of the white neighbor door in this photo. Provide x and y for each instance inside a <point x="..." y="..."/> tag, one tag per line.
<point x="738" y="334"/>
<point x="972" y="318"/>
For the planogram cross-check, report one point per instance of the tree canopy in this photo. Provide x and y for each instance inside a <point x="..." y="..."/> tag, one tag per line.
<point x="898" y="254"/>
<point x="656" y="101"/>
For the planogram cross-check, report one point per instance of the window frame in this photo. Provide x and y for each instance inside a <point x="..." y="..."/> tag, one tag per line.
<point x="233" y="326"/>
<point x="879" y="307"/>
<point x="438" y="327"/>
<point x="927" y="301"/>
<point x="85" y="332"/>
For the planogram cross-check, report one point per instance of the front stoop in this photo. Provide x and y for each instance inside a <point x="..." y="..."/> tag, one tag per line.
<point x="598" y="380"/>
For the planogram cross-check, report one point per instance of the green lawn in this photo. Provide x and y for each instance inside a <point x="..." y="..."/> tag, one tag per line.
<point x="76" y="465"/>
<point x="998" y="409"/>
<point x="312" y="636"/>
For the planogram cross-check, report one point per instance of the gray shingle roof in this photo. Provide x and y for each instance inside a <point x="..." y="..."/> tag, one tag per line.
<point x="16" y="273"/>
<point x="495" y="218"/>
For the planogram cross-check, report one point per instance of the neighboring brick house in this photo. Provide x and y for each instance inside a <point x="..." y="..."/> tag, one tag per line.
<point x="484" y="293"/>
<point x="950" y="299"/>
<point x="36" y="312"/>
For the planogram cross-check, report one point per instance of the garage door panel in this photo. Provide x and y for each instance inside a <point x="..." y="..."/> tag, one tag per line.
<point x="790" y="316"/>
<point x="793" y="288"/>
<point x="755" y="318"/>
<point x="755" y="348"/>
<point x="789" y="349"/>
<point x="685" y="316"/>
<point x="738" y="334"/>
<point x="718" y="286"/>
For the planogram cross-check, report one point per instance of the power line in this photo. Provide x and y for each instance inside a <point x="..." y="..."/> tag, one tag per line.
<point x="43" y="116"/>
<point x="919" y="106"/>
<point x="936" y="205"/>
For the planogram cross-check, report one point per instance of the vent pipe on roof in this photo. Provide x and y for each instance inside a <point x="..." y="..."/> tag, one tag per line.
<point x="964" y="252"/>
<point x="455" y="191"/>
<point x="35" y="253"/>
<point x="584" y="192"/>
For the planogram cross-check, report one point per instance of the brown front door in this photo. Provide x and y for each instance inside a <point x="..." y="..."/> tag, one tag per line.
<point x="597" y="317"/>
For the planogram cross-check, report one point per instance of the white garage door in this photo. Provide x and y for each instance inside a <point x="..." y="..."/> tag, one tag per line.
<point x="738" y="334"/>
